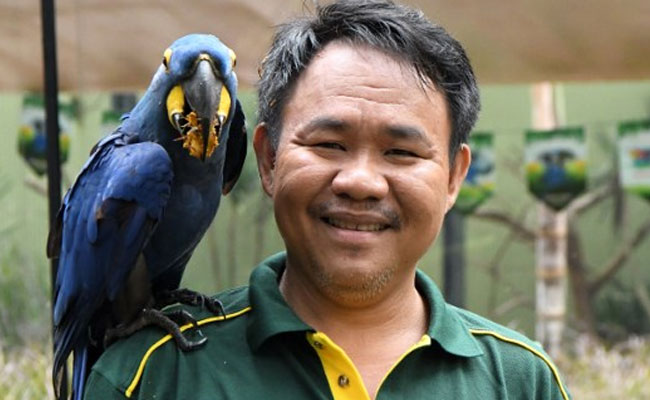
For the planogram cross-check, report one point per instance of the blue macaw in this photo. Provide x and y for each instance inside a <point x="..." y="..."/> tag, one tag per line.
<point x="143" y="200"/>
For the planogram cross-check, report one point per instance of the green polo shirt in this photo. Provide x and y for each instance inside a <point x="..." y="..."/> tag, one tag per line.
<point x="262" y="350"/>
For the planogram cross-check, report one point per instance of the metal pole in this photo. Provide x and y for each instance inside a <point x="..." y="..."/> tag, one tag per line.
<point x="51" y="87"/>
<point x="51" y="109"/>
<point x="454" y="258"/>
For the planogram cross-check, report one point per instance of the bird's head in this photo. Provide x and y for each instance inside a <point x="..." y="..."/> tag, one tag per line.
<point x="200" y="90"/>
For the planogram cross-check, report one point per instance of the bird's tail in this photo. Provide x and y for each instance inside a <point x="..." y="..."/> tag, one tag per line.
<point x="80" y="372"/>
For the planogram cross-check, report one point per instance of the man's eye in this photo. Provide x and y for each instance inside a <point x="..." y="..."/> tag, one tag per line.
<point x="401" y="153"/>
<point x="330" y="145"/>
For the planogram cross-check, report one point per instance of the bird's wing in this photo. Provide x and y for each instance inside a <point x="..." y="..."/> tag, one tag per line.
<point x="235" y="150"/>
<point x="104" y="222"/>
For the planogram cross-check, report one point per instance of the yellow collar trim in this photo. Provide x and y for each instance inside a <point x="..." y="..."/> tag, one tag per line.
<point x="533" y="350"/>
<point x="344" y="379"/>
<point x="138" y="375"/>
<point x="342" y="376"/>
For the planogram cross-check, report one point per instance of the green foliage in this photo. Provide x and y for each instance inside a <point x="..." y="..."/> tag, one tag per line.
<point x="619" y="314"/>
<point x="24" y="298"/>
<point x="24" y="294"/>
<point x="597" y="372"/>
<point x="24" y="318"/>
<point x="25" y="372"/>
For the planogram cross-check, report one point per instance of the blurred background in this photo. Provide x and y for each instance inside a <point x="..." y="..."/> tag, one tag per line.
<point x="550" y="233"/>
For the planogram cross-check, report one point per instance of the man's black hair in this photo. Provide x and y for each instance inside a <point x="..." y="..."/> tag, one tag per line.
<point x="401" y="32"/>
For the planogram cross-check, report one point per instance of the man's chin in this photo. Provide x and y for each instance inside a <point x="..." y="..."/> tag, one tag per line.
<point x="354" y="284"/>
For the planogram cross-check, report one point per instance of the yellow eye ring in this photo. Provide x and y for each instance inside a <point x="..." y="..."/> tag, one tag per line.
<point x="233" y="58"/>
<point x="167" y="55"/>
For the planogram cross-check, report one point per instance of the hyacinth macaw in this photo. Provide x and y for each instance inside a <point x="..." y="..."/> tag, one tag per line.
<point x="142" y="202"/>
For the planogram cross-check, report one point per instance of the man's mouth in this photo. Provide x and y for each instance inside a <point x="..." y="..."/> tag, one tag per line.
<point x="354" y="226"/>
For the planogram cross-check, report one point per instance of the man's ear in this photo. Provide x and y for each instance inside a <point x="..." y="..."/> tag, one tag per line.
<point x="265" y="157"/>
<point x="462" y="160"/>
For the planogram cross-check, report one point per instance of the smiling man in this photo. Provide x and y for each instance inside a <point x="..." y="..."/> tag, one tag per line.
<point x="365" y="110"/>
<point x="360" y="179"/>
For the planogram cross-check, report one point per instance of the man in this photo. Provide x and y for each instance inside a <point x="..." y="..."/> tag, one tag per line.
<point x="365" y="110"/>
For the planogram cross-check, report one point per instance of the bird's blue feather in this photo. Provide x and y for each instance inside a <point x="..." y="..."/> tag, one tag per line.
<point x="95" y="256"/>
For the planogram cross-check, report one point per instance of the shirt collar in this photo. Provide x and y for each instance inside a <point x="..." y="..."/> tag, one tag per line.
<point x="271" y="315"/>
<point x="445" y="325"/>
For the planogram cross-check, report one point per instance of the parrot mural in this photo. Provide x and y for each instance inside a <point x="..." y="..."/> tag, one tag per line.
<point x="556" y="169"/>
<point x="480" y="181"/>
<point x="32" y="139"/>
<point x="634" y="157"/>
<point x="554" y="173"/>
<point x="141" y="204"/>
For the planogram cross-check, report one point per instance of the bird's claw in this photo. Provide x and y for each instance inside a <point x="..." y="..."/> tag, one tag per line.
<point x="191" y="298"/>
<point x="169" y="322"/>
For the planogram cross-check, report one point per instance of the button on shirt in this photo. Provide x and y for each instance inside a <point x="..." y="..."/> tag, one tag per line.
<point x="262" y="350"/>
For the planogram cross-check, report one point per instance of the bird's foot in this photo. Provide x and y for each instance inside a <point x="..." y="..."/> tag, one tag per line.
<point x="170" y="322"/>
<point x="190" y="298"/>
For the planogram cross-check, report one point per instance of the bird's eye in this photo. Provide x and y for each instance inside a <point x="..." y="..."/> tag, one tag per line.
<point x="233" y="58"/>
<point x="166" y="57"/>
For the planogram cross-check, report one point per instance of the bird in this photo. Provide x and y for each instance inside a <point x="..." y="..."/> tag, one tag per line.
<point x="140" y="205"/>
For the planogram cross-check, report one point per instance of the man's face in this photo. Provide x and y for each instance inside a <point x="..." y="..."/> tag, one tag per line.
<point x="360" y="180"/>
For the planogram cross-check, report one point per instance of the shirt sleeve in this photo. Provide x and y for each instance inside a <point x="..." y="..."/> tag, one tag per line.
<point x="549" y="384"/>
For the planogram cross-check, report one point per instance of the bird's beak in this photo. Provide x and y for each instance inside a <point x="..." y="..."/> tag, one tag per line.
<point x="203" y="92"/>
<point x="208" y="102"/>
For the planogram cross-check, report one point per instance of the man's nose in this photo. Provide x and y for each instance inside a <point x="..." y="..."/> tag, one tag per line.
<point x="360" y="178"/>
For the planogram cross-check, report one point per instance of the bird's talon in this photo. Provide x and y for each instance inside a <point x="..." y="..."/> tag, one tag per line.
<point x="188" y="345"/>
<point x="200" y="342"/>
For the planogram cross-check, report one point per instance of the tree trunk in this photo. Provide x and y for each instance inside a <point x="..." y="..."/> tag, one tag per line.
<point x="551" y="245"/>
<point x="582" y="295"/>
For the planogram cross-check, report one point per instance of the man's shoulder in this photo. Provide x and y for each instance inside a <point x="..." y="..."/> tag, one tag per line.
<point x="480" y="327"/>
<point x="520" y="358"/>
<point x="491" y="335"/>
<point x="123" y="363"/>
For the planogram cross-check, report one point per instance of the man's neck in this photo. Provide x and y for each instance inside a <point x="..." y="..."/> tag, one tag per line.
<point x="397" y="306"/>
<point x="374" y="334"/>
